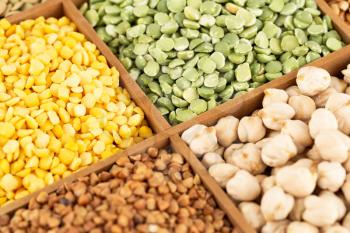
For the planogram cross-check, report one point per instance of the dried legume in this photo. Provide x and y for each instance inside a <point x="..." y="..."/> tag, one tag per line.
<point x="10" y="7"/>
<point x="287" y="163"/>
<point x="61" y="106"/>
<point x="149" y="192"/>
<point x="218" y="48"/>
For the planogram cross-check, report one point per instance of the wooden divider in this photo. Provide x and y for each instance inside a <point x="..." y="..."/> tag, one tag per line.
<point x="342" y="27"/>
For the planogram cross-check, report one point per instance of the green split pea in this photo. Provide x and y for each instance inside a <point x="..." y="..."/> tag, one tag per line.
<point x="188" y="56"/>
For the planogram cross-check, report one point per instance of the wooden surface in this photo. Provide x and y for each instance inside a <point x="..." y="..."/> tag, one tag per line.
<point x="342" y="27"/>
<point x="47" y="9"/>
<point x="238" y="107"/>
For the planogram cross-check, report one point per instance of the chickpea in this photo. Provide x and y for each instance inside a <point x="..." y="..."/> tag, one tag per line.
<point x="212" y="158"/>
<point x="346" y="188"/>
<point x="297" y="212"/>
<point x="296" y="227"/>
<point x="252" y="213"/>
<point x="338" y="84"/>
<point x="243" y="186"/>
<point x="192" y="132"/>
<point x="275" y="227"/>
<point x="321" y="120"/>
<point x="331" y="175"/>
<point x="204" y="142"/>
<point x="273" y="95"/>
<point x="226" y="130"/>
<point x="230" y="150"/>
<point x="268" y="183"/>
<point x="332" y="145"/>
<point x="293" y="91"/>
<point x="322" y="97"/>
<point x="223" y="172"/>
<point x="342" y="116"/>
<point x="337" y="229"/>
<point x="337" y="101"/>
<point x="248" y="158"/>
<point x="275" y="114"/>
<point x="299" y="132"/>
<point x="299" y="181"/>
<point x="303" y="106"/>
<point x="314" y="211"/>
<point x="276" y="204"/>
<point x="278" y="150"/>
<point x="346" y="221"/>
<point x="339" y="203"/>
<point x="251" y="129"/>
<point x="312" y="80"/>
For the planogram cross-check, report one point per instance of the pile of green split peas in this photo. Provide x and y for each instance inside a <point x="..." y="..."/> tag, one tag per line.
<point x="189" y="56"/>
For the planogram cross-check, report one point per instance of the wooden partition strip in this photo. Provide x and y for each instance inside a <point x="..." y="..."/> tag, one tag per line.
<point x="342" y="27"/>
<point x="51" y="8"/>
<point x="78" y="3"/>
<point x="160" y="140"/>
<point x="221" y="197"/>
<point x="246" y="104"/>
<point x="236" y="230"/>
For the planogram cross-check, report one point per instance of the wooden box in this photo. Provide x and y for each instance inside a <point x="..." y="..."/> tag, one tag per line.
<point x="238" y="107"/>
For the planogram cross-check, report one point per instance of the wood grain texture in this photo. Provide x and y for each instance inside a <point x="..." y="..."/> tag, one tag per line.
<point x="342" y="27"/>
<point x="50" y="8"/>
<point x="221" y="197"/>
<point x="78" y="3"/>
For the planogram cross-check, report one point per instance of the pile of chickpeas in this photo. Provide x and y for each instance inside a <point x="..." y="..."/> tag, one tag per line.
<point x="287" y="165"/>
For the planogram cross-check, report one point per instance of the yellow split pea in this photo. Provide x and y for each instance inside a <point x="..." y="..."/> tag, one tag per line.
<point x="61" y="106"/>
